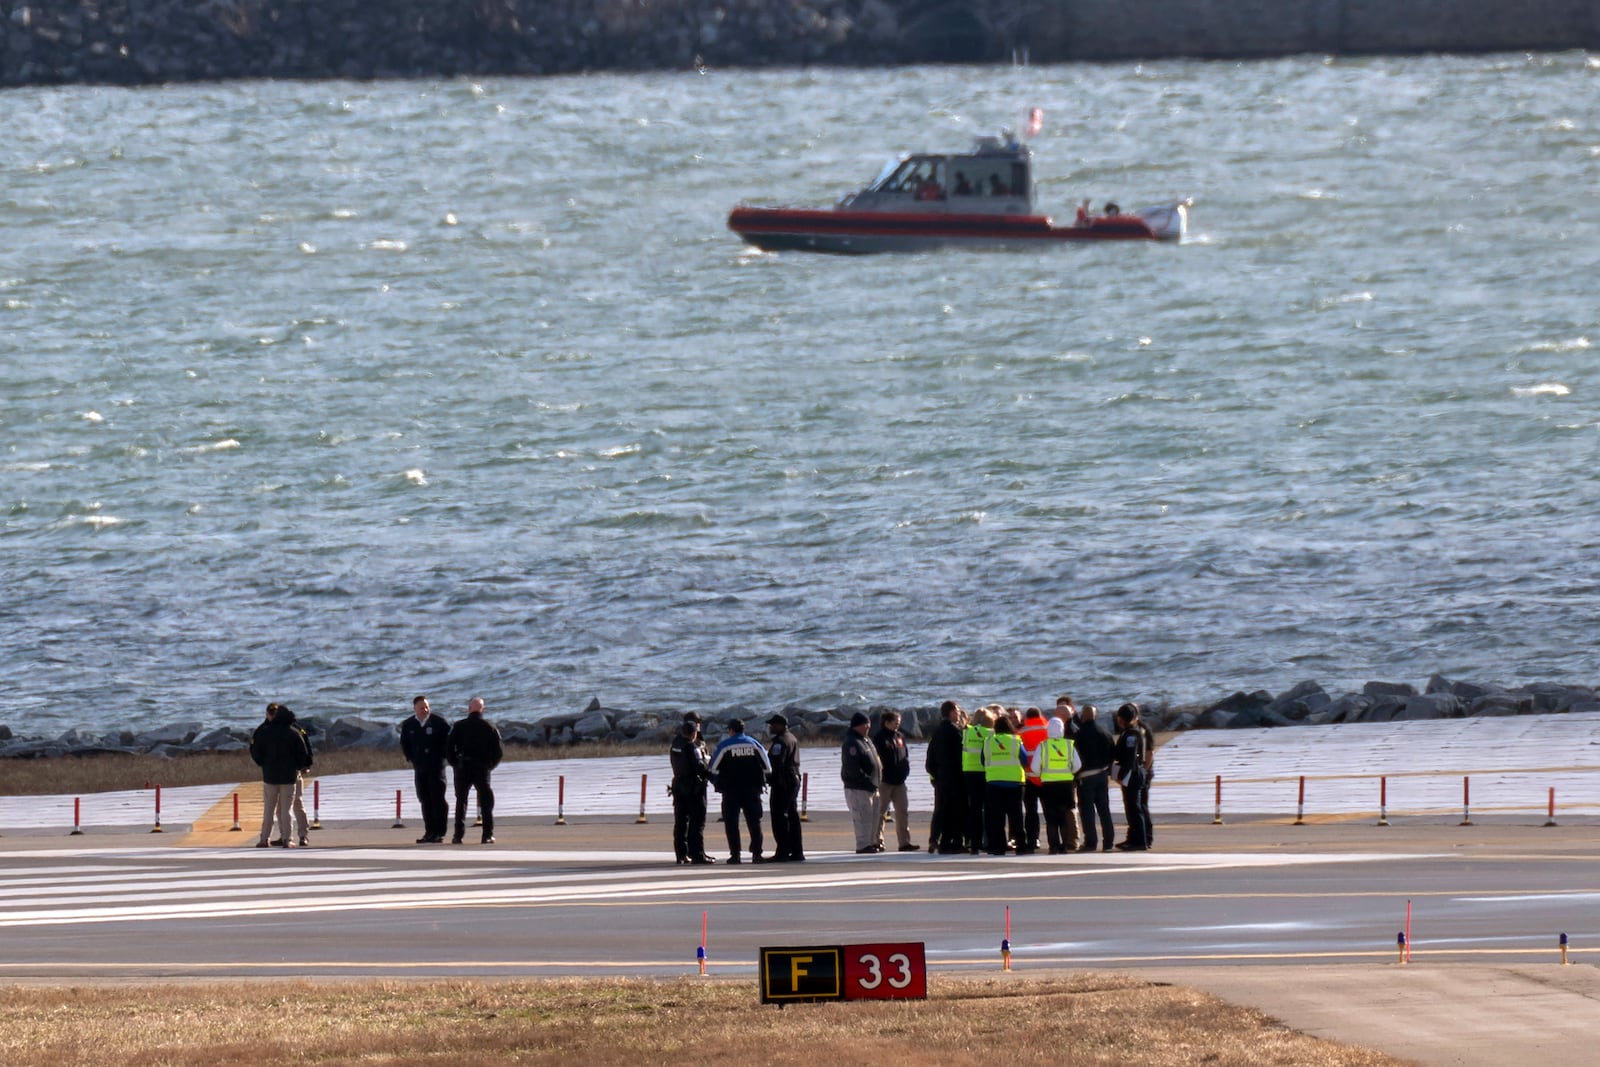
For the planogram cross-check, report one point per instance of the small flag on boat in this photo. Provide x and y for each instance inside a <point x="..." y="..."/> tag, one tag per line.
<point x="1035" y="121"/>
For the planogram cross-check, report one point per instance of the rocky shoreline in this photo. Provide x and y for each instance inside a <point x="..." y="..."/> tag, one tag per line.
<point x="1307" y="703"/>
<point x="47" y="42"/>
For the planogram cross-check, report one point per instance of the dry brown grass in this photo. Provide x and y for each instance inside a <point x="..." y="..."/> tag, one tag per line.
<point x="1080" y="1019"/>
<point x="83" y="775"/>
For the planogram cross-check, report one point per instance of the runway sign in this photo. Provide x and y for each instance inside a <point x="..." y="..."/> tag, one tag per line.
<point x="885" y="972"/>
<point x="791" y="975"/>
<point x="844" y="972"/>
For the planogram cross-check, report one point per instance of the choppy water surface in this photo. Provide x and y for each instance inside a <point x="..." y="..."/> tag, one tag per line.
<point x="335" y="392"/>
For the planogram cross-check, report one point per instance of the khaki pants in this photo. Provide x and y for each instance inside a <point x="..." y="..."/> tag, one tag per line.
<point x="896" y="795"/>
<point x="864" y="820"/>
<point x="276" y="801"/>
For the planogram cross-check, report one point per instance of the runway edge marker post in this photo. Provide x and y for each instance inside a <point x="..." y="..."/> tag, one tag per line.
<point x="700" y="953"/>
<point x="1005" y="943"/>
<point x="77" y="817"/>
<point x="157" y="828"/>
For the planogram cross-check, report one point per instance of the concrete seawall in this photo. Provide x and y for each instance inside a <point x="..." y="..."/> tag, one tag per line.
<point x="153" y="41"/>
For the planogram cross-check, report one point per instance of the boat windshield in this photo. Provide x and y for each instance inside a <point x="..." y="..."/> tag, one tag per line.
<point x="911" y="176"/>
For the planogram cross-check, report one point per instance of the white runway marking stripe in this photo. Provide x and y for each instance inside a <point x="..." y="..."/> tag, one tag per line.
<point x="193" y="891"/>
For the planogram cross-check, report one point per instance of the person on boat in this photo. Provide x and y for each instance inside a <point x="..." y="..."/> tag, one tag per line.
<point x="997" y="187"/>
<point x="1112" y="210"/>
<point x="929" y="189"/>
<point x="963" y="187"/>
<point x="1083" y="213"/>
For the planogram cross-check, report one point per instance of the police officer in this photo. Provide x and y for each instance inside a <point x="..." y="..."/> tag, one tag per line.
<point x="691" y="770"/>
<point x="424" y="738"/>
<point x="1130" y="771"/>
<point x="474" y="750"/>
<point x="739" y="769"/>
<point x="783" y="753"/>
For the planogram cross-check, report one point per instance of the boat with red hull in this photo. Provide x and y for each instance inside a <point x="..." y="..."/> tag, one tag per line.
<point x="978" y="199"/>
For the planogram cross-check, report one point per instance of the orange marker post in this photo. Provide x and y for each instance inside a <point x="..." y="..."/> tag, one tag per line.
<point x="316" y="804"/>
<point x="1217" y="819"/>
<point x="1300" y="811"/>
<point x="561" y="800"/>
<point x="805" y="787"/>
<point x="1383" y="800"/>
<point x="399" y="824"/>
<point x="235" y="828"/>
<point x="157" y="828"/>
<point x="1005" y="943"/>
<point x="77" y="817"/>
<point x="643" y="784"/>
<point x="1551" y="820"/>
<point x="1466" y="800"/>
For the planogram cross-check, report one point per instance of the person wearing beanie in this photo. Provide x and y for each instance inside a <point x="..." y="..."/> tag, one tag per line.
<point x="783" y="753"/>
<point x="1096" y="749"/>
<point x="862" y="773"/>
<point x="1056" y="764"/>
<point x="280" y="750"/>
<point x="739" y="770"/>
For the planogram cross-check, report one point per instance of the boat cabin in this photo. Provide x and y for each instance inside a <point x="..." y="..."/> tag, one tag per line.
<point x="995" y="178"/>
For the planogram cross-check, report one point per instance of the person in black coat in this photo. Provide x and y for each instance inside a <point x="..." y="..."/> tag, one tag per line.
<point x="1130" y="771"/>
<point x="1095" y="749"/>
<point x="474" y="750"/>
<point x="425" y="742"/>
<point x="691" y="770"/>
<point x="280" y="750"/>
<point x="783" y="752"/>
<point x="943" y="764"/>
<point x="896" y="761"/>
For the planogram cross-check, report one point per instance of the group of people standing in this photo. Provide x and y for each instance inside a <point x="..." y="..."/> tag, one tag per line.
<point x="471" y="747"/>
<point x="997" y="769"/>
<point x="1001" y="777"/>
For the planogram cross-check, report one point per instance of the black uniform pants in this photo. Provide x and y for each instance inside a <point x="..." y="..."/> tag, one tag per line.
<point x="785" y="824"/>
<point x="1002" y="810"/>
<point x="471" y="776"/>
<point x="948" y="832"/>
<point x="1133" y="809"/>
<point x="431" y="798"/>
<point x="1094" y="801"/>
<point x="689" y="819"/>
<point x="977" y="793"/>
<point x="747" y="803"/>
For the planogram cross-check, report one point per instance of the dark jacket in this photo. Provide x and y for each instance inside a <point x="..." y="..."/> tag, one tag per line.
<point x="784" y="755"/>
<point x="691" y="767"/>
<point x="892" y="755"/>
<point x="858" y="763"/>
<point x="740" y="765"/>
<point x="425" y="744"/>
<point x="1130" y="754"/>
<point x="474" y="743"/>
<point x="280" y="749"/>
<point x="1094" y="746"/>
<point x="944" y="753"/>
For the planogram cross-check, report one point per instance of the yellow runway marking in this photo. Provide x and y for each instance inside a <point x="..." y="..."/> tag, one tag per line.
<point x="215" y="827"/>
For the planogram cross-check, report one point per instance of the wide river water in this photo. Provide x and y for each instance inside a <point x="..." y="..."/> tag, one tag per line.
<point x="331" y="393"/>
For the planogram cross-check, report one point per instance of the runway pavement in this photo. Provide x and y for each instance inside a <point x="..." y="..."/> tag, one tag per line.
<point x="1298" y="920"/>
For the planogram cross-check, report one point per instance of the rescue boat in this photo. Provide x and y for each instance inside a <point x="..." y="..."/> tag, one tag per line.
<point x="983" y="198"/>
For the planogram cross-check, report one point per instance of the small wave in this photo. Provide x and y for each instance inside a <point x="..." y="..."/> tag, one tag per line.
<point x="415" y="476"/>
<point x="15" y="305"/>
<point x="94" y="522"/>
<point x="216" y="446"/>
<point x="387" y="246"/>
<point x="92" y="416"/>
<point x="27" y="467"/>
<point x="308" y="248"/>
<point x="654" y="520"/>
<point x="1577" y="344"/>
<point x="1542" y="389"/>
<point x="620" y="450"/>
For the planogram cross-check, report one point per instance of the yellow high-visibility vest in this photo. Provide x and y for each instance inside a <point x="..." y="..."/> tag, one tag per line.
<point x="1055" y="765"/>
<point x="972" y="747"/>
<point x="1002" y="758"/>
